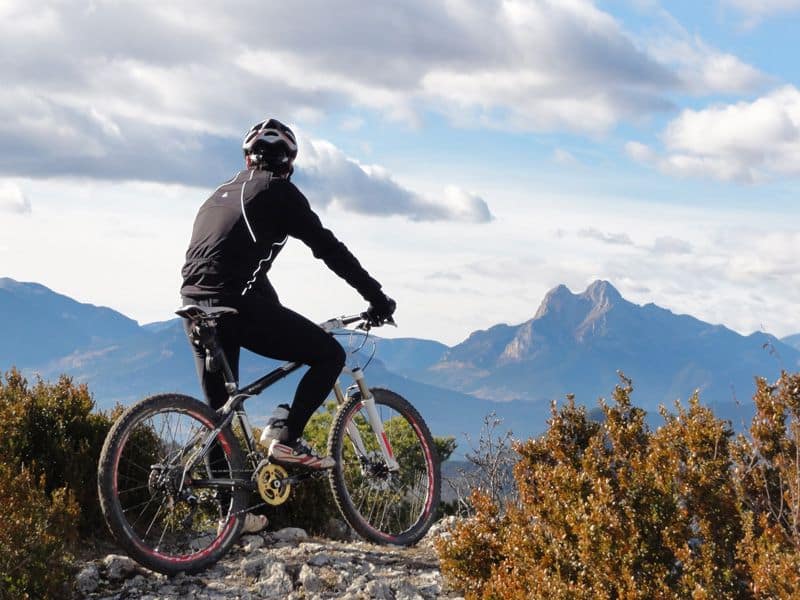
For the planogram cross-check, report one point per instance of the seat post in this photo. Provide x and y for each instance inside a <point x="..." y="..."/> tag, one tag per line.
<point x="204" y="334"/>
<point x="231" y="385"/>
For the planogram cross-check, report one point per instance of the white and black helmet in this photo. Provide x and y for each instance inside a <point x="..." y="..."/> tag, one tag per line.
<point x="270" y="145"/>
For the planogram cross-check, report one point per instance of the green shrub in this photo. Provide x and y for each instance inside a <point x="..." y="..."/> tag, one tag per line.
<point x="50" y="430"/>
<point x="311" y="505"/>
<point x="36" y="531"/>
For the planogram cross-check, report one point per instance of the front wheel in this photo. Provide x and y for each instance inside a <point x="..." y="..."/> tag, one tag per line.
<point x="384" y="503"/>
<point x="168" y="515"/>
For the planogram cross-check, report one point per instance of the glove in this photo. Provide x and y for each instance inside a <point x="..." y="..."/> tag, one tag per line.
<point x="381" y="309"/>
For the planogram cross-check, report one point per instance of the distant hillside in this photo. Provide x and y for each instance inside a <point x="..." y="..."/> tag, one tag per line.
<point x="792" y="340"/>
<point x="123" y="362"/>
<point x="575" y="343"/>
<point x="39" y="325"/>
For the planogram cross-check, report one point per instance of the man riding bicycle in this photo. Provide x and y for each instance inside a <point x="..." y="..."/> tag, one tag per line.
<point x="238" y="232"/>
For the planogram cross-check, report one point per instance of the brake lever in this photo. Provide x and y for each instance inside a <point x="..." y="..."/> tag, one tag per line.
<point x="369" y="323"/>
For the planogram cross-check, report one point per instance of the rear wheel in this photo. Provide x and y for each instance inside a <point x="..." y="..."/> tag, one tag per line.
<point x="166" y="517"/>
<point x="381" y="504"/>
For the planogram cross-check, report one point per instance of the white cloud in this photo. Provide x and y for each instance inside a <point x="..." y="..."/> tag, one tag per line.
<point x="693" y="260"/>
<point x="671" y="245"/>
<point x="617" y="239"/>
<point x="13" y="200"/>
<point x="462" y="205"/>
<point x="731" y="257"/>
<point x="745" y="141"/>
<point x="564" y="157"/>
<point x="640" y="152"/>
<point x="84" y="89"/>
<point x="328" y="176"/>
<point x="702" y="68"/>
<point x="444" y="275"/>
<point x="757" y="10"/>
<point x="352" y="124"/>
<point x="162" y="92"/>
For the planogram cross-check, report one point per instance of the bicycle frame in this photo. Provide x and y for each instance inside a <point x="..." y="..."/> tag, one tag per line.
<point x="233" y="408"/>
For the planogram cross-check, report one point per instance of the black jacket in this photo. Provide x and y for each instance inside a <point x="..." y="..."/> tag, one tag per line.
<point x="243" y="226"/>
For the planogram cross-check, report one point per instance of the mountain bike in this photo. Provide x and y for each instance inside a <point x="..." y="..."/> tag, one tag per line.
<point x="176" y="478"/>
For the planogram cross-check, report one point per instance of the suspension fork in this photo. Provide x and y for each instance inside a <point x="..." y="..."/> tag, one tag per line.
<point x="368" y="402"/>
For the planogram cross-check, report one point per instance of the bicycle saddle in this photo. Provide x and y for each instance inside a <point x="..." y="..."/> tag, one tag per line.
<point x="198" y="314"/>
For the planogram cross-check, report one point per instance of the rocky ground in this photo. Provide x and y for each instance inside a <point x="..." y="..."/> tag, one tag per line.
<point x="283" y="564"/>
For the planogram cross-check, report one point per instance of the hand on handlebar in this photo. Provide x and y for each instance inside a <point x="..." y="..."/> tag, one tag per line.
<point x="380" y="312"/>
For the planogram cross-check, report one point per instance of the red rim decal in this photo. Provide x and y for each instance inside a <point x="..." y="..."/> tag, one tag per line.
<point x="388" y="445"/>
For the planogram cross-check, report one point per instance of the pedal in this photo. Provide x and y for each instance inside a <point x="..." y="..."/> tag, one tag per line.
<point x="273" y="483"/>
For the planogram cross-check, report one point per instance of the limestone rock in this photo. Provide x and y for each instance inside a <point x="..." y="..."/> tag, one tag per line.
<point x="251" y="567"/>
<point x="289" y="534"/>
<point x="379" y="590"/>
<point x="406" y="591"/>
<point x="119" y="567"/>
<point x="277" y="584"/>
<point x="88" y="580"/>
<point x="252" y="543"/>
<point x="288" y="566"/>
<point x="312" y="583"/>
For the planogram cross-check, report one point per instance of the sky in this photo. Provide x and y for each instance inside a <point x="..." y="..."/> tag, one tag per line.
<point x="473" y="154"/>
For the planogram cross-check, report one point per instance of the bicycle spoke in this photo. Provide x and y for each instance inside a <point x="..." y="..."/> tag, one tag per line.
<point x="158" y="512"/>
<point x="141" y="468"/>
<point x="383" y="515"/>
<point x="146" y="503"/>
<point x="153" y="491"/>
<point x="133" y="489"/>
<point x="395" y="502"/>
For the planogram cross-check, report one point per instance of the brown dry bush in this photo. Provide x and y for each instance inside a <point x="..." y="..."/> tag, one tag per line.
<point x="50" y="441"/>
<point x="51" y="430"/>
<point x="768" y="475"/>
<point x="36" y="532"/>
<point x="616" y="510"/>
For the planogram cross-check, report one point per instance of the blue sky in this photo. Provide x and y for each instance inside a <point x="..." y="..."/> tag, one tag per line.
<point x="472" y="154"/>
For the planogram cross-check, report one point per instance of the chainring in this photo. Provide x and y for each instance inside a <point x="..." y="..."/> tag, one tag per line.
<point x="273" y="485"/>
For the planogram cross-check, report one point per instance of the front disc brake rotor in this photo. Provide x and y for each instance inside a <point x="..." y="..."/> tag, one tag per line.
<point x="272" y="483"/>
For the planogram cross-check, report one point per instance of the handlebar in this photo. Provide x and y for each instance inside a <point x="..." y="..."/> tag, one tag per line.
<point x="365" y="322"/>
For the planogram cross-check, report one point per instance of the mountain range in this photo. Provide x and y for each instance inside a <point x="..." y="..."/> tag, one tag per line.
<point x="574" y="343"/>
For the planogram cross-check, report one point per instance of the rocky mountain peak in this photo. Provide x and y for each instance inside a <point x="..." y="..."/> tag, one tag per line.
<point x="564" y="316"/>
<point x="601" y="292"/>
<point x="598" y="297"/>
<point x="601" y="297"/>
<point x="555" y="301"/>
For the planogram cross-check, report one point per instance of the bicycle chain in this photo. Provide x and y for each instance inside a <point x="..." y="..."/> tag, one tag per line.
<point x="291" y="479"/>
<point x="248" y="509"/>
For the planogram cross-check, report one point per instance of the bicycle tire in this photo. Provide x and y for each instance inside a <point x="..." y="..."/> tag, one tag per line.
<point x="413" y="443"/>
<point x="131" y="434"/>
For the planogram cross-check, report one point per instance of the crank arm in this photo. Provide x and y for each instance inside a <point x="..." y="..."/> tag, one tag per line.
<point x="291" y="480"/>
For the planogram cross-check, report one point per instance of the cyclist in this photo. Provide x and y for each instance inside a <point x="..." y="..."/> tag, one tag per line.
<point x="237" y="234"/>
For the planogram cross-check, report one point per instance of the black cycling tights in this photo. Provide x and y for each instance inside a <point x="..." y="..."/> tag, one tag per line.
<point x="274" y="331"/>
